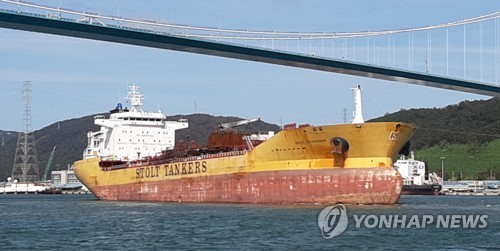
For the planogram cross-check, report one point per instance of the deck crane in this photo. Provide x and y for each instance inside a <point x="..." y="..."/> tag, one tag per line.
<point x="228" y="126"/>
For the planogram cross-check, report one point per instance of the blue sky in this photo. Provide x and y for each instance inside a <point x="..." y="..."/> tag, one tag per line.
<point x="74" y="77"/>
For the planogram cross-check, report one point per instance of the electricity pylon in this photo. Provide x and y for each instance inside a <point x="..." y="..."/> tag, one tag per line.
<point x="25" y="161"/>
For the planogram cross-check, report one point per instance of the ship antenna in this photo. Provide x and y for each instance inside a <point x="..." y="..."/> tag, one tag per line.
<point x="358" y="112"/>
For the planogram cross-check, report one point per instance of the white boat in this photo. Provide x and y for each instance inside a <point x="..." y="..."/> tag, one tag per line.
<point x="14" y="187"/>
<point x="492" y="186"/>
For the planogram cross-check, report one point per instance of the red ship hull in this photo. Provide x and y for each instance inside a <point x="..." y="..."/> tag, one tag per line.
<point x="323" y="186"/>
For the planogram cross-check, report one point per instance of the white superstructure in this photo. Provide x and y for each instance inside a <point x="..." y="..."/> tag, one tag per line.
<point x="132" y="134"/>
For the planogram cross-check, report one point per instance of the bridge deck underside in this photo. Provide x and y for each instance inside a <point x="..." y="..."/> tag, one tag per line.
<point x="162" y="41"/>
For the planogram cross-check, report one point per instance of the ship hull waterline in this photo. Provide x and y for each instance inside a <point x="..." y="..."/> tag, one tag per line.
<point x="433" y="189"/>
<point x="320" y="186"/>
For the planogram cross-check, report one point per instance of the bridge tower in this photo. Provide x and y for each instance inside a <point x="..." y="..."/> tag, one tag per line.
<point x="25" y="161"/>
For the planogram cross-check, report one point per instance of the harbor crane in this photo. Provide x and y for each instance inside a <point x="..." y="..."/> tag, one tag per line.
<point x="49" y="164"/>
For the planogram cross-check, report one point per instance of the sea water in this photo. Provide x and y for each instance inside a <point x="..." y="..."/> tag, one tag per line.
<point x="81" y="222"/>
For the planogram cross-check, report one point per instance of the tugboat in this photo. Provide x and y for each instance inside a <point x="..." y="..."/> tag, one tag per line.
<point x="416" y="177"/>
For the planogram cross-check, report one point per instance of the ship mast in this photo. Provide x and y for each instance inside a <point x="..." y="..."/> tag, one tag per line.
<point x="135" y="98"/>
<point x="358" y="112"/>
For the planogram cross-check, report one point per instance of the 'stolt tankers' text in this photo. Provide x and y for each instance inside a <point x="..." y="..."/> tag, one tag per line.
<point x="171" y="169"/>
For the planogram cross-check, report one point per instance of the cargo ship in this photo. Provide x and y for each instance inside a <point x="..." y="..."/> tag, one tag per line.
<point x="416" y="177"/>
<point x="133" y="157"/>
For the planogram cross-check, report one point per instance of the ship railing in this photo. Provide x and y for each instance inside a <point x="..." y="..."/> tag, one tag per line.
<point x="212" y="155"/>
<point x="129" y="164"/>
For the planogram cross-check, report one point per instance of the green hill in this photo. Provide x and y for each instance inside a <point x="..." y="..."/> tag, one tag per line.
<point x="467" y="135"/>
<point x="469" y="122"/>
<point x="464" y="161"/>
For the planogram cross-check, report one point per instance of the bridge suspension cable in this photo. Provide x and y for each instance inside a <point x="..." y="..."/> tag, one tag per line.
<point x="224" y="33"/>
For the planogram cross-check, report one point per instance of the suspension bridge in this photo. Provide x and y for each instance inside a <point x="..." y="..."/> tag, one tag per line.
<point x="417" y="55"/>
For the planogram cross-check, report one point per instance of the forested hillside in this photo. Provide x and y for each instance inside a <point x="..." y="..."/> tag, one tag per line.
<point x="465" y="138"/>
<point x="469" y="122"/>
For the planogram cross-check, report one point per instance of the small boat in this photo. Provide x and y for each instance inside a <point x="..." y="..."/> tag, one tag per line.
<point x="416" y="177"/>
<point x="70" y="186"/>
<point x="492" y="186"/>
